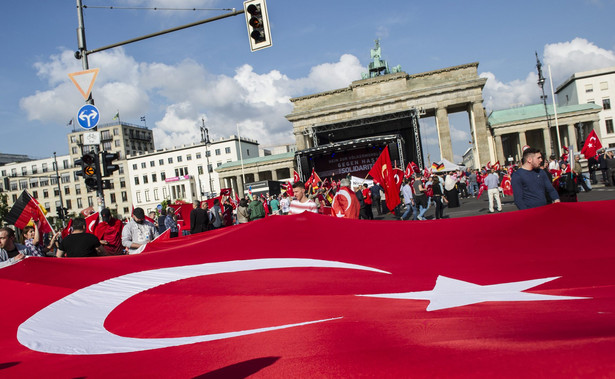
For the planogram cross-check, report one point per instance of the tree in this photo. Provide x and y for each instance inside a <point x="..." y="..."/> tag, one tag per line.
<point x="4" y="207"/>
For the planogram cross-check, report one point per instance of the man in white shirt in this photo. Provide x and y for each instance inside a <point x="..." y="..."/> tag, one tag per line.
<point x="492" y="182"/>
<point x="301" y="203"/>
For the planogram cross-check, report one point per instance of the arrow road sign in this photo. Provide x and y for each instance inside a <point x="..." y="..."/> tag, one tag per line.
<point x="88" y="116"/>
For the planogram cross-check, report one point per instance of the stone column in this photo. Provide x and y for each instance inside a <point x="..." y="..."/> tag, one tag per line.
<point x="444" y="134"/>
<point x="522" y="142"/>
<point x="274" y="174"/>
<point x="572" y="135"/>
<point x="481" y="134"/>
<point x="499" y="150"/>
<point x="547" y="137"/>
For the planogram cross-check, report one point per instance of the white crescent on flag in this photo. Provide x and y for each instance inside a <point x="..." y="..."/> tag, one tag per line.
<point x="74" y="325"/>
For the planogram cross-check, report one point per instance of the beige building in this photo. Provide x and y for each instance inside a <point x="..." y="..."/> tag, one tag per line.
<point x="516" y="127"/>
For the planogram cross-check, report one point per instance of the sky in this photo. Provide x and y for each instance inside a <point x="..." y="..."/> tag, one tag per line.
<point x="208" y="72"/>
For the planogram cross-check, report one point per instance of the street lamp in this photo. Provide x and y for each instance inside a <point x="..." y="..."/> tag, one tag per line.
<point x="207" y="142"/>
<point x="541" y="84"/>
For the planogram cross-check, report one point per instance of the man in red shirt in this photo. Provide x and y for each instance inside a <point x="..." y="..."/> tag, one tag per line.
<point x="367" y="203"/>
<point x="109" y="232"/>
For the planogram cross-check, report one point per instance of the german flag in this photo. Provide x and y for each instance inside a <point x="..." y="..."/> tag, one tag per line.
<point x="437" y="166"/>
<point x="26" y="208"/>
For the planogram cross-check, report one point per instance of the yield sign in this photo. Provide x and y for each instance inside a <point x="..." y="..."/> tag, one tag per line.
<point x="84" y="81"/>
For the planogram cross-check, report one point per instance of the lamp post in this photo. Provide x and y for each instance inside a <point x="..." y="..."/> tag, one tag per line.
<point x="207" y="142"/>
<point x="541" y="84"/>
<point x="61" y="213"/>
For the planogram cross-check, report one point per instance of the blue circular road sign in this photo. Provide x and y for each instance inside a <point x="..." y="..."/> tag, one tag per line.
<point x="88" y="116"/>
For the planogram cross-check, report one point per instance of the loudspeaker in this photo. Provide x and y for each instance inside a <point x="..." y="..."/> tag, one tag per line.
<point x="305" y="167"/>
<point x="394" y="152"/>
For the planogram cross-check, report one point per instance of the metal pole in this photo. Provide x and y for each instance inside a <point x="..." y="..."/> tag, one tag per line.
<point x="559" y="140"/>
<point x="55" y="159"/>
<point x="541" y="84"/>
<point x="82" y="54"/>
<point x="234" y="13"/>
<point x="205" y="138"/>
<point x="243" y="175"/>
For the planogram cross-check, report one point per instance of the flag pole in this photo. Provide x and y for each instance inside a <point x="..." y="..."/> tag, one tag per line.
<point x="559" y="141"/>
<point x="243" y="175"/>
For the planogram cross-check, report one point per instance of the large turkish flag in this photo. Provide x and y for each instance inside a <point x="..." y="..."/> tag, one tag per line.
<point x="219" y="303"/>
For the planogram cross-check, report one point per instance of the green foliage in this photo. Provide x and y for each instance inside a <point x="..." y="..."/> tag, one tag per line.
<point x="4" y="207"/>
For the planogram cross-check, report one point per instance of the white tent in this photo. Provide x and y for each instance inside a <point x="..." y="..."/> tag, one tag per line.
<point x="449" y="166"/>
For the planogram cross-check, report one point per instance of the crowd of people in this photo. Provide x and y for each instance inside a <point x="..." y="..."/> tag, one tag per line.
<point x="535" y="182"/>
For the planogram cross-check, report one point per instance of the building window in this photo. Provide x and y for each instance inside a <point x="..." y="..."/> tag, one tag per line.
<point x="609" y="126"/>
<point x="56" y="192"/>
<point x="44" y="182"/>
<point x="73" y="139"/>
<point x="200" y="170"/>
<point x="116" y="132"/>
<point x="121" y="170"/>
<point x="218" y="164"/>
<point x="145" y="181"/>
<point x="112" y="198"/>
<point x="24" y="171"/>
<point x="156" y="194"/>
<point x="44" y="168"/>
<point x="208" y="153"/>
<point x="152" y="163"/>
<point x="179" y="158"/>
<point x="136" y="180"/>
<point x="154" y="178"/>
<point x="210" y="168"/>
<point x="122" y="183"/>
<point x="35" y="194"/>
<point x="79" y="203"/>
<point x="77" y="189"/>
<point x="124" y="196"/>
<point x="117" y="143"/>
<point x="90" y="201"/>
<point x="65" y="164"/>
<point x="606" y="104"/>
<point x="45" y="194"/>
<point x="138" y="197"/>
<point x="67" y="190"/>
<point x="69" y="204"/>
<point x="604" y="86"/>
<point x="146" y="195"/>
<point x="589" y="88"/>
<point x="248" y="151"/>
<point x="218" y="152"/>
<point x="227" y="150"/>
<point x="107" y="145"/>
<point x="198" y="155"/>
<point x="125" y="209"/>
<point x="170" y="160"/>
<point x="165" y="193"/>
<point x="189" y="157"/>
<point x="134" y="166"/>
<point x="74" y="150"/>
<point x="143" y="165"/>
<point x="163" y="175"/>
<point x="65" y="178"/>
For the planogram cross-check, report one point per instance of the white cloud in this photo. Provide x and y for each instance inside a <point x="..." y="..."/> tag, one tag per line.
<point x="175" y="97"/>
<point x="565" y="58"/>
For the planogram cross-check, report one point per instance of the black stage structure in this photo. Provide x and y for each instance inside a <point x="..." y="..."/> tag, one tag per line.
<point x="352" y="147"/>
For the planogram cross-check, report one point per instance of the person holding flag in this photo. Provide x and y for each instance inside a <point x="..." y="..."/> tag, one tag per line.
<point x="345" y="203"/>
<point x="10" y="251"/>
<point x="32" y="241"/>
<point x="382" y="172"/>
<point x="301" y="203"/>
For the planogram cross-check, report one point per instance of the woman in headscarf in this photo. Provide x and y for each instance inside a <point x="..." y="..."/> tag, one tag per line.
<point x="450" y="190"/>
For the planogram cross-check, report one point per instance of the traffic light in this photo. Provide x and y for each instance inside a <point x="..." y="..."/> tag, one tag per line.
<point x="258" y="24"/>
<point x="89" y="169"/>
<point x="107" y="163"/>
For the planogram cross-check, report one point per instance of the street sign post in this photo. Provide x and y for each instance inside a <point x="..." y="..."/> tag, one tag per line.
<point x="88" y="116"/>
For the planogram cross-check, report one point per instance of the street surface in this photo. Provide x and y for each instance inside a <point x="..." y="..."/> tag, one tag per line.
<point x="477" y="207"/>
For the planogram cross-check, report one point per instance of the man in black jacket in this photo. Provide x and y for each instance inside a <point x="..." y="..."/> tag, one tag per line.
<point x="198" y="218"/>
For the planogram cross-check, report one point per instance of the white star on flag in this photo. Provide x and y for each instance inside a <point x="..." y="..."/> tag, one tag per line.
<point x="451" y="293"/>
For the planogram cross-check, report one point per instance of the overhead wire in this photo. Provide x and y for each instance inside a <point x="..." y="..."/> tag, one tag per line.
<point x="157" y="8"/>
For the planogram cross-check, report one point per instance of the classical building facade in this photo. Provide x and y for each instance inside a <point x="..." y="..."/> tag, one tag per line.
<point x="184" y="173"/>
<point x="516" y="127"/>
<point x="383" y="105"/>
<point x="236" y="174"/>
<point x="595" y="87"/>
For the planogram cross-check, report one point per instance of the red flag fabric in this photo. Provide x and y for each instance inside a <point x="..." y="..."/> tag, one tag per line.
<point x="506" y="185"/>
<point x="85" y="212"/>
<point x="323" y="312"/>
<point x="496" y="166"/>
<point x="68" y="229"/>
<point x="411" y="169"/>
<point x="296" y="177"/>
<point x="382" y="172"/>
<point x="225" y="191"/>
<point x="592" y="145"/>
<point x="91" y="221"/>
<point x="26" y="208"/>
<point x="398" y="175"/>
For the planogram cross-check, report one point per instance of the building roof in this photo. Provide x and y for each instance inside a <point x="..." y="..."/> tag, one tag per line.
<point x="534" y="111"/>
<point x="250" y="161"/>
<point x="585" y="74"/>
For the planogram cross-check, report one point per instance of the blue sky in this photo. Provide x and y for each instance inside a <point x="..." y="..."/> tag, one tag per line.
<point x="209" y="72"/>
